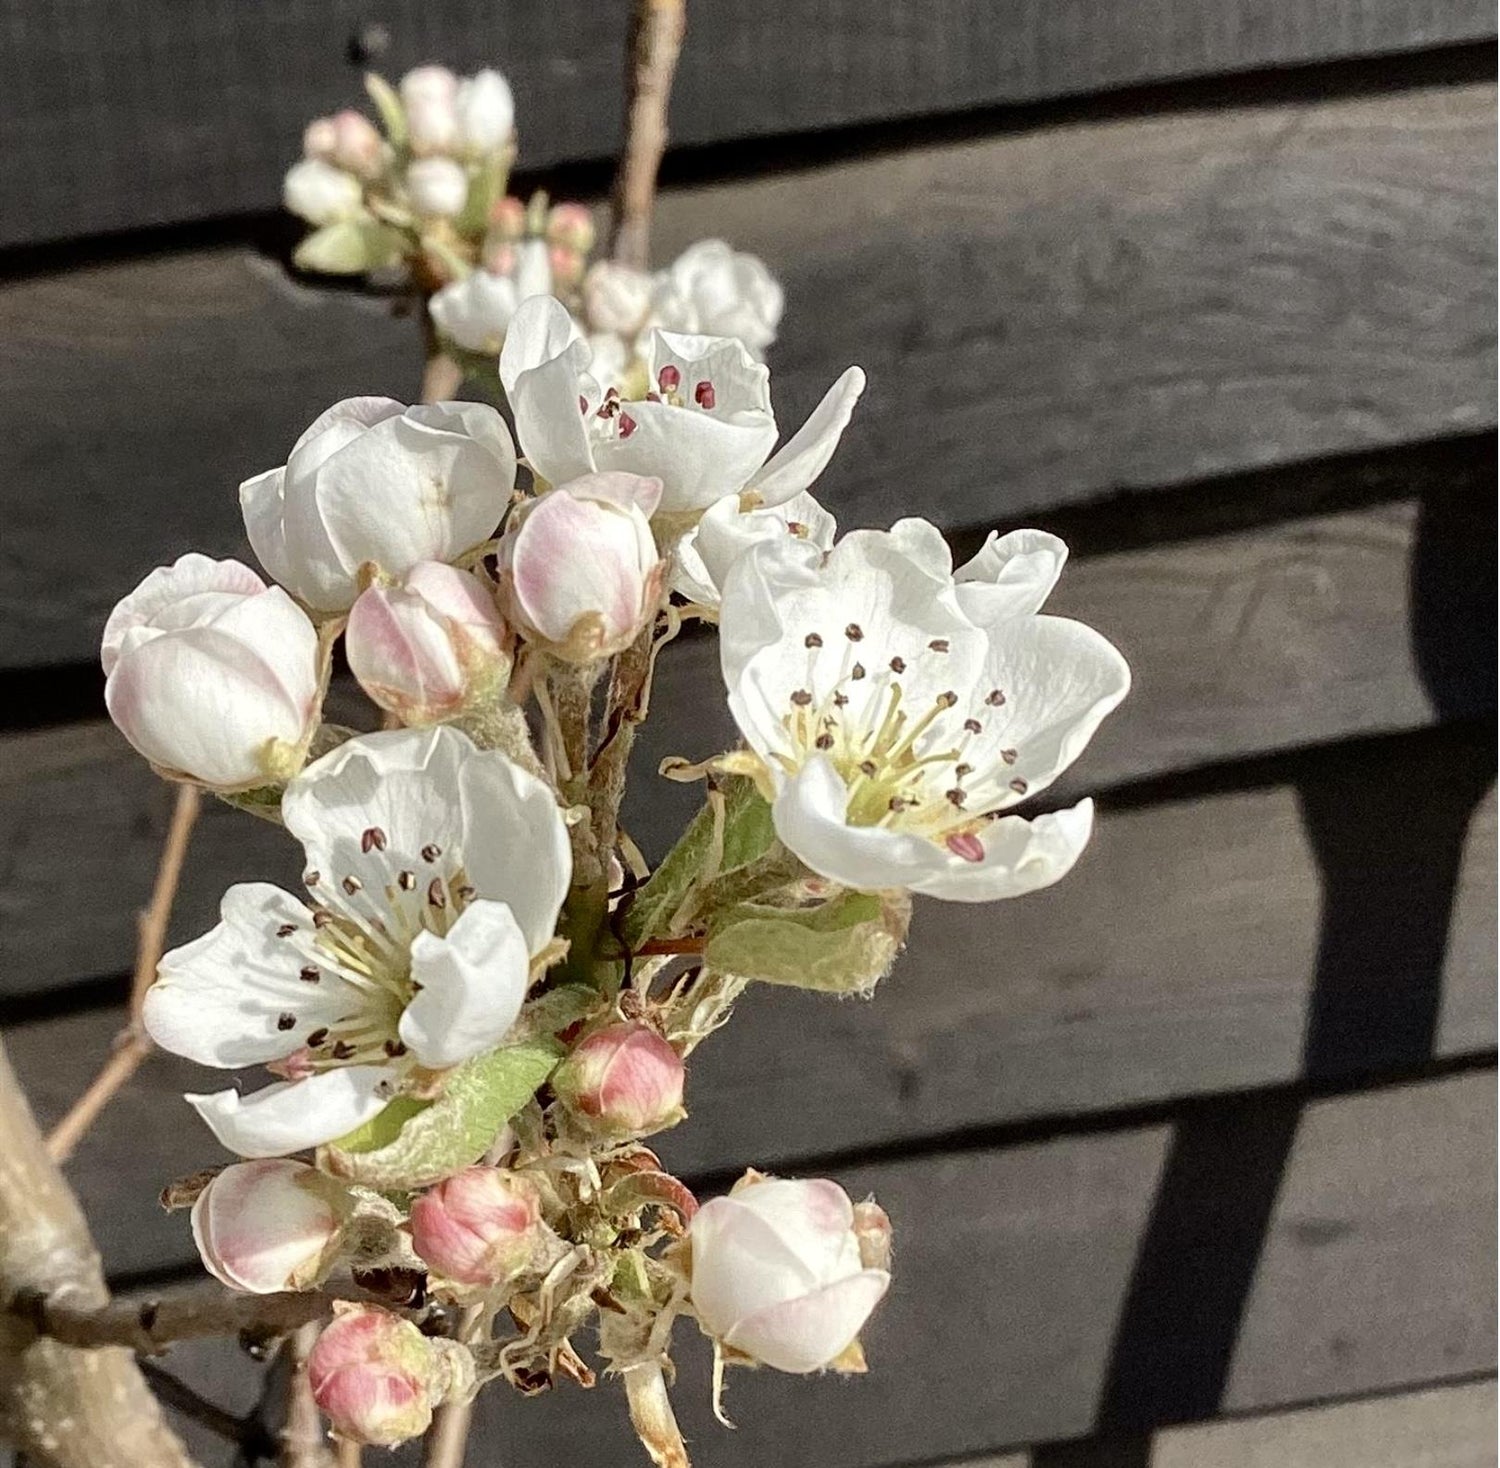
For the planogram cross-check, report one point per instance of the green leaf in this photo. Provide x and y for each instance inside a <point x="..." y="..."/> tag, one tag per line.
<point x="350" y="247"/>
<point x="844" y="946"/>
<point x="748" y="834"/>
<point x="388" y="104"/>
<point x="412" y="1143"/>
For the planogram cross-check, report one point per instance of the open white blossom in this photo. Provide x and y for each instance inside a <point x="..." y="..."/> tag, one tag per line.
<point x="894" y="727"/>
<point x="727" y="531"/>
<point x="375" y="481"/>
<point x="435" y="874"/>
<point x="719" y="291"/>
<point x="705" y="429"/>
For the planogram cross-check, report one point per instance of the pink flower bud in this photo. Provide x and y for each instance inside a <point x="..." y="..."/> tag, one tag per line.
<point x="262" y="1227"/>
<point x="624" y="1079"/>
<point x="481" y="1226"/>
<point x="571" y="225"/>
<point x="320" y="138"/>
<point x="566" y="265"/>
<point x="508" y="218"/>
<point x="580" y="571"/>
<point x="787" y="1272"/>
<point x="376" y="1376"/>
<point x="356" y="142"/>
<point x="423" y="649"/>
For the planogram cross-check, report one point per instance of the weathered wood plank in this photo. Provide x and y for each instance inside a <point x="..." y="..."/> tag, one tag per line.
<point x="1046" y="319"/>
<point x="1375" y="1272"/>
<point x="1290" y="635"/>
<point x="1196" y="949"/>
<point x="161" y="113"/>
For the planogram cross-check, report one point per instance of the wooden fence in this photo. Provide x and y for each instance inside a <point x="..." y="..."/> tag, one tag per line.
<point x="1192" y="1157"/>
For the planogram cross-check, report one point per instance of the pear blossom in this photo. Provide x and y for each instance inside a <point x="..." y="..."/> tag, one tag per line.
<point x="321" y="193"/>
<point x="482" y="1226"/>
<point x="894" y="728"/>
<point x="437" y="187"/>
<point x="212" y="674"/>
<point x="705" y="428"/>
<point x="373" y="481"/>
<point x="271" y="1225"/>
<point x="579" y="569"/>
<point x="435" y="873"/>
<point x="427" y="646"/>
<point x="624" y="1080"/>
<point x="571" y="225"/>
<point x="719" y="291"/>
<point x="485" y="112"/>
<point x="348" y="140"/>
<point x="430" y="97"/>
<point x="377" y="1377"/>
<point x="785" y="1272"/>
<point x="616" y="297"/>
<point x="474" y="312"/>
<point x="726" y="531"/>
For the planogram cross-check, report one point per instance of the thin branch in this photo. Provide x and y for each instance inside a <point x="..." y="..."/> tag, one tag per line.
<point x="448" y="1437"/>
<point x="441" y="375"/>
<point x="656" y="30"/>
<point x="303" y="1441"/>
<point x="62" y="1407"/>
<point x="133" y="1045"/>
<point x="149" y="1326"/>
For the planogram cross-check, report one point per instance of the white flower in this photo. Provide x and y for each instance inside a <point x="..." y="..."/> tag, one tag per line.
<point x="427" y="646"/>
<point x="474" y="312"/>
<point x="374" y="481"/>
<point x="320" y="193"/>
<point x="486" y="112"/>
<point x="579" y="567"/>
<point x="895" y="728"/>
<point x="437" y="187"/>
<point x="210" y="673"/>
<point x="430" y="96"/>
<point x="616" y="298"/>
<point x="435" y="874"/>
<point x="705" y="429"/>
<point x="271" y="1225"/>
<point x="713" y="289"/>
<point x="779" y="1274"/>
<point x="711" y="547"/>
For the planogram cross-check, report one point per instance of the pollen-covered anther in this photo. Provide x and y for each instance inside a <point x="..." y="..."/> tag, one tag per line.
<point x="898" y="665"/>
<point x="627" y="425"/>
<point x="286" y="930"/>
<point x="995" y="698"/>
<point x="956" y="797"/>
<point x="973" y="726"/>
<point x="351" y="884"/>
<point x="406" y="881"/>
<point x="704" y="395"/>
<point x="812" y="640"/>
<point x="436" y="896"/>
<point x="669" y="379"/>
<point x="373" y="839"/>
<point x="947" y="700"/>
<point x="1019" y="786"/>
<point x="938" y="644"/>
<point x="309" y="974"/>
<point x="854" y="632"/>
<point x="802" y="698"/>
<point x="430" y="853"/>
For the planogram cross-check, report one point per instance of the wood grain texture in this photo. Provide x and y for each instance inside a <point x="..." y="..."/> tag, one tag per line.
<point x="1012" y="1267"/>
<point x="1291" y="635"/>
<point x="147" y="113"/>
<point x="1194" y="950"/>
<point x="1046" y="319"/>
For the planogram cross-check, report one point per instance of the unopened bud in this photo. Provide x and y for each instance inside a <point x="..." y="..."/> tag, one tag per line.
<point x="616" y="298"/>
<point x="580" y="571"/>
<point x="430" y="96"/>
<point x="356" y="144"/>
<point x="267" y="1226"/>
<point x="482" y="1226"/>
<point x="566" y="265"/>
<point x="377" y="1377"/>
<point x="438" y="187"/>
<point x="572" y="225"/>
<point x="508" y="218"/>
<point x="625" y="1080"/>
<point x="428" y="647"/>
<point x="321" y="193"/>
<point x="486" y="112"/>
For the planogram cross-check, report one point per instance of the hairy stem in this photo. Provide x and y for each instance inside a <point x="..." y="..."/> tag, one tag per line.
<point x="656" y="30"/>
<point x="62" y="1407"/>
<point x="133" y="1045"/>
<point x="304" y="1444"/>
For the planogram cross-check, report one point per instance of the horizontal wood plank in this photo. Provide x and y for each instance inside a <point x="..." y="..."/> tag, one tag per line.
<point x="157" y="113"/>
<point x="1199" y="947"/>
<point x="1046" y="319"/>
<point x="1295" y="634"/>
<point x="1013" y="1266"/>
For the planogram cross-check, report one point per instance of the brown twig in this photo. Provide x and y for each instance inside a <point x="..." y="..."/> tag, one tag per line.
<point x="133" y="1045"/>
<point x="448" y="1437"/>
<point x="441" y="375"/>
<point x="656" y="30"/>
<point x="62" y="1407"/>
<point x="303" y="1441"/>
<point x="149" y="1326"/>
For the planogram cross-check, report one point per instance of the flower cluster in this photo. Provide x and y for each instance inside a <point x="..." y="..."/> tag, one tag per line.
<point x="427" y="196"/>
<point x="482" y="1004"/>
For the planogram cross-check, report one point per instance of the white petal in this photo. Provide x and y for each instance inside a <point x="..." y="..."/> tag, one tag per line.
<point x="741" y="1264"/>
<point x="540" y="331"/>
<point x="516" y="848"/>
<point x="1020" y="856"/>
<point x="706" y="554"/>
<point x="177" y="596"/>
<point x="809" y="818"/>
<point x="220" y="999"/>
<point x="551" y="421"/>
<point x="263" y="507"/>
<point x="807" y="1333"/>
<point x="815" y="1218"/>
<point x="294" y="1115"/>
<point x="473" y="982"/>
<point x="1011" y="575"/>
<point x="804" y="456"/>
